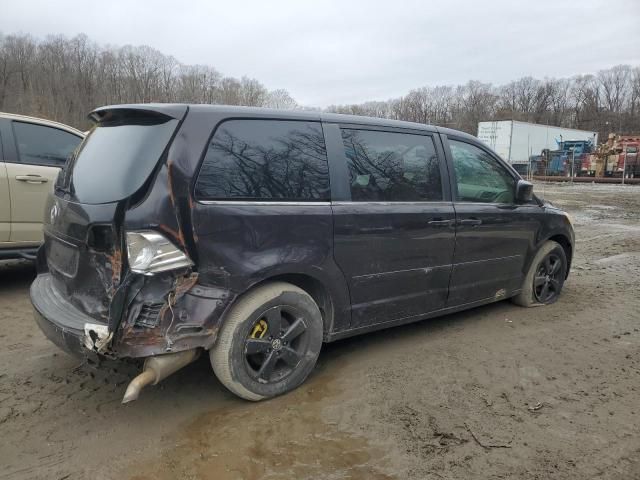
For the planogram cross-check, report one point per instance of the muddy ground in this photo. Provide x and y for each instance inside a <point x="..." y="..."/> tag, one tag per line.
<point x="496" y="392"/>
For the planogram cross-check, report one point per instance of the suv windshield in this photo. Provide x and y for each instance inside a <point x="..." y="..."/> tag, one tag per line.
<point x="117" y="157"/>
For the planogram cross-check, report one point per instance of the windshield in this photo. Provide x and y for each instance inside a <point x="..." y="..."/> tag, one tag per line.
<point x="116" y="158"/>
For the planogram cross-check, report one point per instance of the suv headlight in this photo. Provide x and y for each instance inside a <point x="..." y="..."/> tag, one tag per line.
<point x="150" y="252"/>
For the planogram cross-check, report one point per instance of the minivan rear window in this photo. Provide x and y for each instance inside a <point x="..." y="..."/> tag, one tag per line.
<point x="266" y="160"/>
<point x="117" y="157"/>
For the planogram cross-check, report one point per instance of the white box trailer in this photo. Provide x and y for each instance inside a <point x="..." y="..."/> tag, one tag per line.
<point x="516" y="141"/>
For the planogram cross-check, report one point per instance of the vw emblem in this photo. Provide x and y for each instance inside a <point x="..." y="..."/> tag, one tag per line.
<point x="276" y="344"/>
<point x="53" y="213"/>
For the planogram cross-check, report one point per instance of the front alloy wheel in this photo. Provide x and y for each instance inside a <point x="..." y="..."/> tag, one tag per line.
<point x="548" y="279"/>
<point x="544" y="280"/>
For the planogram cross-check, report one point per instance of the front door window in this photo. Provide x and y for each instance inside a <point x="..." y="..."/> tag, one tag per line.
<point x="479" y="176"/>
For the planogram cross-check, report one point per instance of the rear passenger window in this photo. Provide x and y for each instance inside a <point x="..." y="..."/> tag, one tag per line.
<point x="40" y="145"/>
<point x="388" y="166"/>
<point x="265" y="160"/>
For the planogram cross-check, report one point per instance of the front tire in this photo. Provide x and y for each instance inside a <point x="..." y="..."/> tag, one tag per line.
<point x="269" y="342"/>
<point x="545" y="278"/>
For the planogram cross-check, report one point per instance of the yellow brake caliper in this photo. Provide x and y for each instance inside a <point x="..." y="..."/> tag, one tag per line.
<point x="259" y="329"/>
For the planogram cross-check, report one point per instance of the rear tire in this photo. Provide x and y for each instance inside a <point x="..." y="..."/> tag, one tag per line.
<point x="269" y="342"/>
<point x="544" y="280"/>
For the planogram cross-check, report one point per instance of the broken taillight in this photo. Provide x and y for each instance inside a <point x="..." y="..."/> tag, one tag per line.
<point x="150" y="252"/>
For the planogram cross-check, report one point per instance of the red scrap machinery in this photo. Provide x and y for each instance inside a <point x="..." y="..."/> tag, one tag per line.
<point x="617" y="157"/>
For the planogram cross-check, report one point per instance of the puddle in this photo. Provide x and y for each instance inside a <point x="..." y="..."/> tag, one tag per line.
<point x="623" y="227"/>
<point x="612" y="229"/>
<point x="566" y="203"/>
<point x="617" y="259"/>
<point x="283" y="438"/>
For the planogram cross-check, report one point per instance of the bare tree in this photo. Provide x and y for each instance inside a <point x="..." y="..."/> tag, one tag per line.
<point x="559" y="101"/>
<point x="634" y="97"/>
<point x="7" y="69"/>
<point x="615" y="86"/>
<point x="280" y="99"/>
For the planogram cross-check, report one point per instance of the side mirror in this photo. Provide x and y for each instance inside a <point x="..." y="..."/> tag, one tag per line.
<point x="524" y="191"/>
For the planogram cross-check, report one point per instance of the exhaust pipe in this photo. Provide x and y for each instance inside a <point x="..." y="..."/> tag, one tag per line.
<point x="157" y="369"/>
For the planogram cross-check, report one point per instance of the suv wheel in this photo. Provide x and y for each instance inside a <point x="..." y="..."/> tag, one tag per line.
<point x="269" y="343"/>
<point x="545" y="277"/>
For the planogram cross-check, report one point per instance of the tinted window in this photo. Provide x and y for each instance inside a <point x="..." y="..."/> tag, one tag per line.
<point x="386" y="166"/>
<point x="265" y="160"/>
<point x="42" y="145"/>
<point x="479" y="176"/>
<point x="117" y="158"/>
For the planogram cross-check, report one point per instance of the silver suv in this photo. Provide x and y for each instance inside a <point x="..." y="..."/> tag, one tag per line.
<point x="32" y="152"/>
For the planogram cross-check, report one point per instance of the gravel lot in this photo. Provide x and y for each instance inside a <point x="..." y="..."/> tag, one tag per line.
<point x="495" y="392"/>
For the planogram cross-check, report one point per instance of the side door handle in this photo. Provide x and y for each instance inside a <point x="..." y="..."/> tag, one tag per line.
<point x="31" y="178"/>
<point x="375" y="229"/>
<point x="441" y="223"/>
<point x="474" y="222"/>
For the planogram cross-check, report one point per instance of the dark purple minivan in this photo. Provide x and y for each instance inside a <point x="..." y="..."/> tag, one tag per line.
<point x="256" y="235"/>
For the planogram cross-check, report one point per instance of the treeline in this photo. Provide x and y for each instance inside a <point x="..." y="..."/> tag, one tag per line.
<point x="606" y="102"/>
<point x="65" y="78"/>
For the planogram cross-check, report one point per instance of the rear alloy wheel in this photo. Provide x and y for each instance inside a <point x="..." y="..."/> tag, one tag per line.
<point x="269" y="343"/>
<point x="276" y="344"/>
<point x="543" y="283"/>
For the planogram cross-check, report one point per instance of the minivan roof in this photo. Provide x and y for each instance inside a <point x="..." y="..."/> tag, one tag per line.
<point x="176" y="110"/>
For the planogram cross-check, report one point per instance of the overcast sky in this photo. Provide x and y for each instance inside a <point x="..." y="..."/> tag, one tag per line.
<point x="339" y="51"/>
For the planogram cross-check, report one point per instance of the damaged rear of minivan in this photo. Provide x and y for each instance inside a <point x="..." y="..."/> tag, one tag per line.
<point x="138" y="261"/>
<point x="115" y="274"/>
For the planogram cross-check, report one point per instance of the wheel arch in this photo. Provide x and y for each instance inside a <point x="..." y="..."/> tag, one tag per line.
<point x="557" y="236"/>
<point x="314" y="287"/>
<point x="565" y="243"/>
<point x="325" y="284"/>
